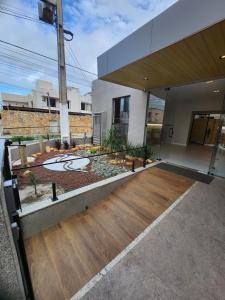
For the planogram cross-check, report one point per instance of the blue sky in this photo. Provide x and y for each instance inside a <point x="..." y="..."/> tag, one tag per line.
<point x="97" y="25"/>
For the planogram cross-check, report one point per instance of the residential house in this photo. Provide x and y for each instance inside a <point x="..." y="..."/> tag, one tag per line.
<point x="45" y="96"/>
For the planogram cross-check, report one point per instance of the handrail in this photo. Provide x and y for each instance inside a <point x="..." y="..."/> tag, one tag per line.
<point x="78" y="158"/>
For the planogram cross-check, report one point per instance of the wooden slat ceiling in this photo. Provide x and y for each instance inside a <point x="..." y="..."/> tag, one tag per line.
<point x="192" y="59"/>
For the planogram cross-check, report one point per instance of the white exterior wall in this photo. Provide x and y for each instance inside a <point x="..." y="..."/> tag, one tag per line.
<point x="42" y="88"/>
<point x="16" y="100"/>
<point x="179" y="108"/>
<point x="73" y="95"/>
<point x="102" y="94"/>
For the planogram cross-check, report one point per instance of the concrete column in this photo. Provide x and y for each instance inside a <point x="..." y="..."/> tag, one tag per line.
<point x="41" y="144"/>
<point x="64" y="122"/>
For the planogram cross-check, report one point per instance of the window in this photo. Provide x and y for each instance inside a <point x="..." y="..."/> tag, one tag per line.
<point x="50" y="101"/>
<point x="82" y="106"/>
<point x="121" y="115"/>
<point x="85" y="106"/>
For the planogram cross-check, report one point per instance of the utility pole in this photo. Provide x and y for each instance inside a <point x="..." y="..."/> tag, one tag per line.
<point x="64" y="116"/>
<point x="50" y="11"/>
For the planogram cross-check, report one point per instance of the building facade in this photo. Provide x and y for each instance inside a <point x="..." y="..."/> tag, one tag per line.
<point x="118" y="106"/>
<point x="45" y="96"/>
<point x="181" y="64"/>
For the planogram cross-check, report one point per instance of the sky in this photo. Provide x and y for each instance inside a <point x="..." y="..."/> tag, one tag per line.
<point x="97" y="25"/>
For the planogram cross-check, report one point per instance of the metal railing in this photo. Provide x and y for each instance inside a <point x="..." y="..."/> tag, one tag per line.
<point x="13" y="204"/>
<point x="131" y="151"/>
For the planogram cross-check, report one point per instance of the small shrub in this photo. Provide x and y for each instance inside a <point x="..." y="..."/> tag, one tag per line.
<point x="112" y="141"/>
<point x="57" y="144"/>
<point x="138" y="151"/>
<point x="32" y="178"/>
<point x="93" y="151"/>
<point x="22" y="138"/>
<point x="66" y="145"/>
<point x="73" y="143"/>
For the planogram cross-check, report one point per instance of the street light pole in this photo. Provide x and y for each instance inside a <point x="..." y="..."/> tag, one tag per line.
<point x="64" y="116"/>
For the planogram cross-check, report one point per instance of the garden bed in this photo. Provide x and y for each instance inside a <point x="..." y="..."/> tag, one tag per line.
<point x="65" y="176"/>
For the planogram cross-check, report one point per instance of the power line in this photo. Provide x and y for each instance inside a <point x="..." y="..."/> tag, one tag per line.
<point x="72" y="54"/>
<point x="17" y="11"/>
<point x="33" y="66"/>
<point x="45" y="56"/>
<point x="22" y="17"/>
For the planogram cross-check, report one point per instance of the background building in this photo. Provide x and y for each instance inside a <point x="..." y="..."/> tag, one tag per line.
<point x="46" y="96"/>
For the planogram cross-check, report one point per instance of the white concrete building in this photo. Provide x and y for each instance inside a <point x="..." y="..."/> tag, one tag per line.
<point x="46" y="96"/>
<point x="109" y="107"/>
<point x="178" y="61"/>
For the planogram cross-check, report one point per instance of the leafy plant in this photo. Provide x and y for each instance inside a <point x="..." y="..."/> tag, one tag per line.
<point x="93" y="151"/>
<point x="57" y="144"/>
<point x="73" y="143"/>
<point x="22" y="138"/>
<point x="66" y="145"/>
<point x="33" y="180"/>
<point x="112" y="141"/>
<point x="139" y="150"/>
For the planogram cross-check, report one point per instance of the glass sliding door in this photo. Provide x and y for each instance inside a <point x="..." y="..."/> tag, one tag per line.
<point x="120" y="118"/>
<point x="155" y="116"/>
<point x="217" y="166"/>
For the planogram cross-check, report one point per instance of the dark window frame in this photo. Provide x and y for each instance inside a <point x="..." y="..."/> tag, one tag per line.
<point x="120" y="124"/>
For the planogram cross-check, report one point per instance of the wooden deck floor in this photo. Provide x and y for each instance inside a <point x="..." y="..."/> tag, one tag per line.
<point x="66" y="256"/>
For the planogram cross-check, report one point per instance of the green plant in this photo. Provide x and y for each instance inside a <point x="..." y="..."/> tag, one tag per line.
<point x="66" y="145"/>
<point x="112" y="141"/>
<point x="138" y="150"/>
<point x="73" y="143"/>
<point x="58" y="144"/>
<point x="33" y="180"/>
<point x="93" y="151"/>
<point x="22" y="138"/>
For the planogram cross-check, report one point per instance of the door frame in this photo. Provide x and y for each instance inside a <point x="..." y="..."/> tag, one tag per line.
<point x="215" y="148"/>
<point x="201" y="112"/>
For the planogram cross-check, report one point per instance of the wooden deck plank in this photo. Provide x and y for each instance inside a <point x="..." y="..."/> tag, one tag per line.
<point x="42" y="270"/>
<point x="66" y="256"/>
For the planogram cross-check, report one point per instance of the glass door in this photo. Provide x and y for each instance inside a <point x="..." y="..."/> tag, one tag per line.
<point x="217" y="166"/>
<point x="155" y="116"/>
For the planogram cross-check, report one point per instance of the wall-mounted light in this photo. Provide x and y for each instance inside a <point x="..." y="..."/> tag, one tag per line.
<point x="222" y="56"/>
<point x="145" y="78"/>
<point x="216" y="91"/>
<point x="210" y="81"/>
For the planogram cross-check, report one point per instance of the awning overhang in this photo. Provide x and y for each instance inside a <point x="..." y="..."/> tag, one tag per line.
<point x="192" y="59"/>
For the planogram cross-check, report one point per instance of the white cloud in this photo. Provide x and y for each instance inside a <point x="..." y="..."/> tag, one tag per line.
<point x="97" y="25"/>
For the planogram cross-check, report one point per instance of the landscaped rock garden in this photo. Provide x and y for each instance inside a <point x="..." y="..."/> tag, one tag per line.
<point x="86" y="166"/>
<point x="101" y="167"/>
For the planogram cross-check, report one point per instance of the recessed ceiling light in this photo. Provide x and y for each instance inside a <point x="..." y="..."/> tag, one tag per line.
<point x="210" y="81"/>
<point x="145" y="78"/>
<point x="216" y="91"/>
<point x="222" y="56"/>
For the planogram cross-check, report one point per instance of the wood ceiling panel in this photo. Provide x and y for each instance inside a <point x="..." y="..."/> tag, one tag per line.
<point x="195" y="58"/>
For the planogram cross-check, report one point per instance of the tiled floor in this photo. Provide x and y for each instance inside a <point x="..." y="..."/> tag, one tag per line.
<point x="192" y="156"/>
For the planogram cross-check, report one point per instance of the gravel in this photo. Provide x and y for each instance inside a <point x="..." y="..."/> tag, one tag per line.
<point x="101" y="168"/>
